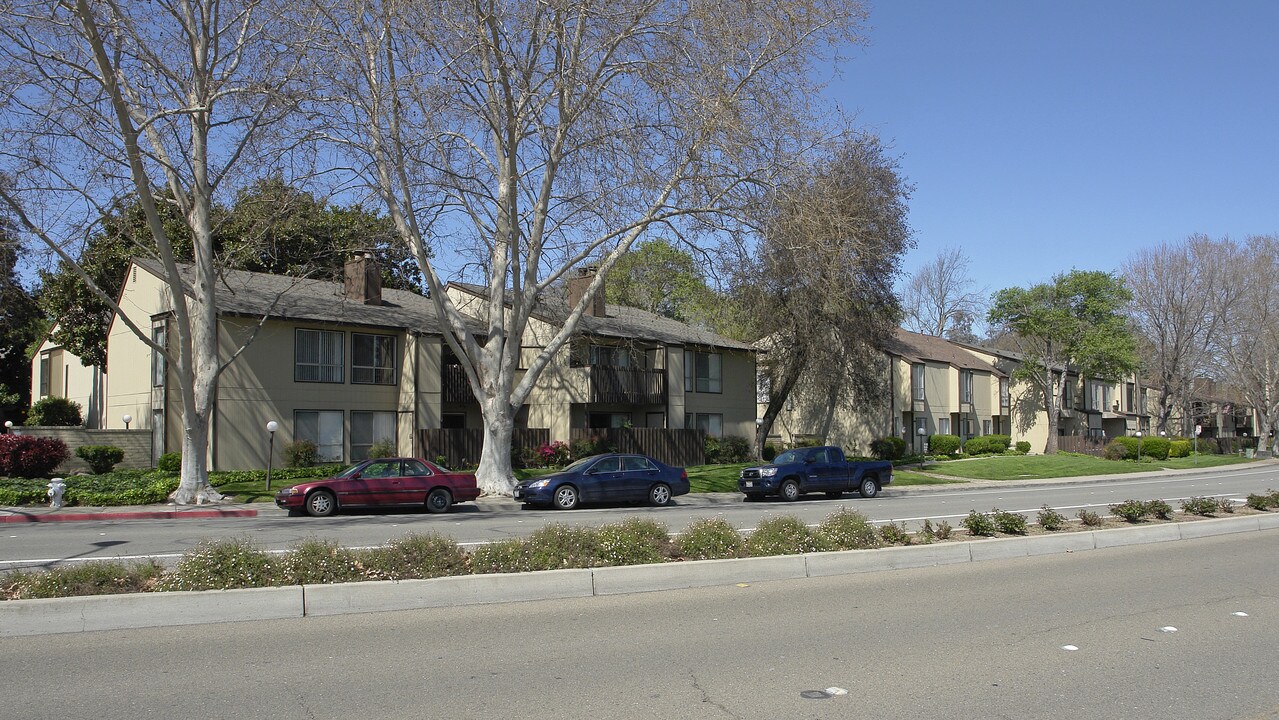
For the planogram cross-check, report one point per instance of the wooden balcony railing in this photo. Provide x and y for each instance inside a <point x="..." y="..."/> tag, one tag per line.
<point x="454" y="386"/>
<point x="623" y="385"/>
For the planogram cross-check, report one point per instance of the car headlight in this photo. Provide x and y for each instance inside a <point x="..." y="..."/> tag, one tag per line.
<point x="767" y="472"/>
<point x="538" y="484"/>
<point x="293" y="491"/>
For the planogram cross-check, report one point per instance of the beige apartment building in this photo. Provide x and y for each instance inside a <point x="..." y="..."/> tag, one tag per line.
<point x="58" y="372"/>
<point x="350" y="364"/>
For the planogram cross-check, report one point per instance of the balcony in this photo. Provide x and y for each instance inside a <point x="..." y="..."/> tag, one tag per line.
<point x="626" y="386"/>
<point x="454" y="387"/>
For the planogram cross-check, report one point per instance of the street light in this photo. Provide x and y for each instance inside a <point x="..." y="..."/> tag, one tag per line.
<point x="8" y="426"/>
<point x="1138" y="446"/>
<point x="271" y="427"/>
<point x="923" y="445"/>
<point x="127" y="419"/>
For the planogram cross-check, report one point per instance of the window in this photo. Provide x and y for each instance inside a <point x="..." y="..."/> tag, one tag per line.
<point x="917" y="382"/>
<point x="610" y="356"/>
<point x="317" y="356"/>
<point x="607" y="465"/>
<point x="943" y="426"/>
<point x="1130" y="397"/>
<point x="702" y="372"/>
<point x="372" y="359"/>
<point x="322" y="427"/>
<point x="921" y="424"/>
<point x="1068" y="394"/>
<point x="159" y="336"/>
<point x="416" y="468"/>
<point x="763" y="386"/>
<point x="713" y="424"/>
<point x="1003" y="393"/>
<point x="609" y="420"/>
<point x="966" y="386"/>
<point x="46" y="371"/>
<point x="985" y="427"/>
<point x="634" y="463"/>
<point x="368" y="428"/>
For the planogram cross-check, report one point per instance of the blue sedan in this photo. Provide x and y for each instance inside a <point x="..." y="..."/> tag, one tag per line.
<point x="614" y="477"/>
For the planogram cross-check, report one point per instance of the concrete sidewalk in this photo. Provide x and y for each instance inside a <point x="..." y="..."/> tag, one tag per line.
<point x="44" y="514"/>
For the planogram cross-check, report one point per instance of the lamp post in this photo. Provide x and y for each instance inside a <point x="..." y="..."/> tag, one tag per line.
<point x="271" y="427"/>
<point x="127" y="419"/>
<point x="1138" y="446"/>
<point x="923" y="444"/>
<point x="1198" y="429"/>
<point x="8" y="425"/>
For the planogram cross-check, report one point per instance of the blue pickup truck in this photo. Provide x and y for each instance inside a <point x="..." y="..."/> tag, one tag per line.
<point x="815" y="469"/>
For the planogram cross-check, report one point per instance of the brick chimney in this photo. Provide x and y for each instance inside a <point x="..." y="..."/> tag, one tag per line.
<point x="363" y="280"/>
<point x="577" y="288"/>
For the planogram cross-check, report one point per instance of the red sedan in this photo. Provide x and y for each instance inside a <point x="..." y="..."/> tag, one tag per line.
<point x="381" y="482"/>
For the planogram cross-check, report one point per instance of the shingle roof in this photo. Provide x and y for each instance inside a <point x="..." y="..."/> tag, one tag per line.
<point x="241" y="292"/>
<point x="916" y="347"/>
<point x="623" y="322"/>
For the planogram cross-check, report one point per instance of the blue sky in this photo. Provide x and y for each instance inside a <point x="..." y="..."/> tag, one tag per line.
<point x="1043" y="136"/>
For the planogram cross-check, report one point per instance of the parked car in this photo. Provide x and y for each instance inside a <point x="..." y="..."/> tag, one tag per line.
<point x="615" y="477"/>
<point x="381" y="482"/>
<point x="815" y="469"/>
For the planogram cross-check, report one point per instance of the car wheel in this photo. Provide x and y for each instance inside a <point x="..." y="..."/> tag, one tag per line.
<point x="753" y="497"/>
<point x="659" y="494"/>
<point x="869" y="488"/>
<point x="834" y="495"/>
<point x="789" y="490"/>
<point x="565" y="497"/>
<point x="439" y="501"/>
<point x="296" y="512"/>
<point x="321" y="503"/>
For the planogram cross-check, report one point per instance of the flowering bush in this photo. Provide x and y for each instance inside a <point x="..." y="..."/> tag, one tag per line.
<point x="553" y="454"/>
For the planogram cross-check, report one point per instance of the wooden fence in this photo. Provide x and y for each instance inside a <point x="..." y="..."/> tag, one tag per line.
<point x="460" y="447"/>
<point x="1081" y="444"/>
<point x="682" y="448"/>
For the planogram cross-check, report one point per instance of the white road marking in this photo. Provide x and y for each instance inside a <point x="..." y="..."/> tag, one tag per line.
<point x="1069" y="647"/>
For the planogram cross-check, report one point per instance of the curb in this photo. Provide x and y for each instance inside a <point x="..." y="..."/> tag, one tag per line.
<point x="18" y="516"/>
<point x="140" y="610"/>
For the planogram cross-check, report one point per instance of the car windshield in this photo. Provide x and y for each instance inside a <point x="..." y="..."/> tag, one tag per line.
<point x="790" y="456"/>
<point x="350" y="471"/>
<point x="578" y="465"/>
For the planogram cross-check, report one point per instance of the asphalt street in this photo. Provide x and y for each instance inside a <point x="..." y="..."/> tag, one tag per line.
<point x="1183" y="629"/>
<point x="42" y="544"/>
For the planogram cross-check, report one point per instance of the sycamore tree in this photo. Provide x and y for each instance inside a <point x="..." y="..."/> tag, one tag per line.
<point x="167" y="100"/>
<point x="940" y="298"/>
<point x="534" y="136"/>
<point x="817" y="290"/>
<point x="1076" y="324"/>
<point x="20" y="327"/>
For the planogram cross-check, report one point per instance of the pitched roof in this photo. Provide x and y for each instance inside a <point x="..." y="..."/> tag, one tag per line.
<point x="621" y="321"/>
<point x="241" y="292"/>
<point x="916" y="347"/>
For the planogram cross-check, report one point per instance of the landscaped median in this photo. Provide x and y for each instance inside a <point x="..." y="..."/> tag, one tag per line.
<point x="781" y="548"/>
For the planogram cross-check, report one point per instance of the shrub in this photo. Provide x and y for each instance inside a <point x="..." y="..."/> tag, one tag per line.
<point x="987" y="444"/>
<point x="1204" y="506"/>
<point x="1131" y="510"/>
<point x="1179" y="448"/>
<point x="634" y="542"/>
<point x="1089" y="518"/>
<point x="1226" y="505"/>
<point x="978" y="524"/>
<point x="943" y="530"/>
<point x="111" y="489"/>
<point x="943" y="444"/>
<point x="769" y="452"/>
<point x="553" y="454"/>
<point x="894" y="534"/>
<point x="414" y="556"/>
<point x="55" y="412"/>
<point x="101" y="458"/>
<point x="1116" y="450"/>
<point x="1009" y="523"/>
<point x="319" y="562"/>
<point x="22" y="491"/>
<point x="1023" y="447"/>
<point x="847" y="529"/>
<point x="23" y="456"/>
<point x="170" y="462"/>
<point x="586" y="447"/>
<point x="557" y="546"/>
<point x="1260" y="502"/>
<point x="888" y="448"/>
<point x="503" y="556"/>
<point x="90" y="578"/>
<point x="300" y="453"/>
<point x="927" y="535"/>
<point x="220" y="565"/>
<point x="709" y="539"/>
<point x="726" y="450"/>
<point x="1156" y="447"/>
<point x="1159" y="509"/>
<point x="1050" y="519"/>
<point x="383" y="448"/>
<point x="781" y="536"/>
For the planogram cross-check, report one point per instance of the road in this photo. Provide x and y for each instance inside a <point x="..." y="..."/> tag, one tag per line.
<point x="42" y="544"/>
<point x="973" y="641"/>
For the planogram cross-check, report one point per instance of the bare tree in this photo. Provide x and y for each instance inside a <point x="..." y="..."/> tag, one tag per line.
<point x="1181" y="294"/>
<point x="1245" y="344"/>
<point x="819" y="292"/>
<point x="535" y="136"/>
<point x="109" y="98"/>
<point x="941" y="299"/>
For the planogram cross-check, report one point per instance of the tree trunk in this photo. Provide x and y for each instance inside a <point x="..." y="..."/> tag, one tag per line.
<point x="194" y="488"/>
<point x="1052" y="400"/>
<point x="495" y="475"/>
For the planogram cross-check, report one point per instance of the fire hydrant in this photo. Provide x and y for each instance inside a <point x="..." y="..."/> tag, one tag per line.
<point x="56" y="488"/>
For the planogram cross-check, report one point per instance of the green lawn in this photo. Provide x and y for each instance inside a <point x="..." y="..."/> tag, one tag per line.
<point x="1018" y="467"/>
<point x="902" y="478"/>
